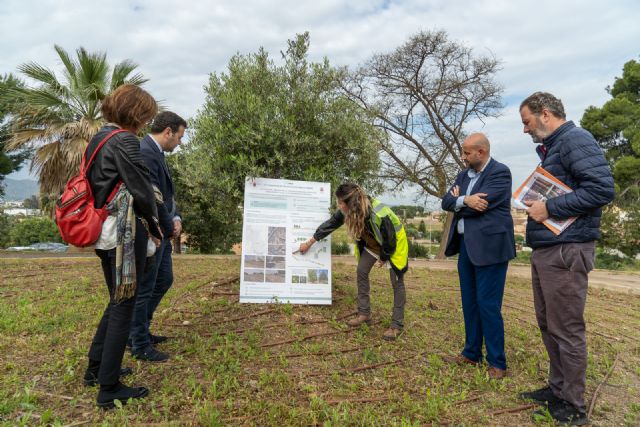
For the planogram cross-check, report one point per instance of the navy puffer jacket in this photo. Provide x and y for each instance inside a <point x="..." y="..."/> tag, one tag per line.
<point x="573" y="156"/>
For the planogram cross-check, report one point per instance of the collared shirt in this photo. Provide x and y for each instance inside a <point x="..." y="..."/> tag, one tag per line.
<point x="157" y="145"/>
<point x="173" y="202"/>
<point x="475" y="176"/>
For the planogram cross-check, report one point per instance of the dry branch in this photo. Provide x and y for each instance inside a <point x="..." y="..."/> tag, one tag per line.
<point x="247" y="316"/>
<point x="606" y="378"/>
<point x="215" y="283"/>
<point x="305" y="338"/>
<point x="512" y="410"/>
<point x="59" y="396"/>
<point x="359" y="400"/>
<point x="325" y="353"/>
<point x="471" y="399"/>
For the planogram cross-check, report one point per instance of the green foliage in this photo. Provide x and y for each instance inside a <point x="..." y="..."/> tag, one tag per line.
<point x="340" y="248"/>
<point x="260" y="119"/>
<point x="408" y="211"/>
<point x="422" y="227"/>
<point x="34" y="230"/>
<point x="523" y="257"/>
<point x="413" y="232"/>
<point x="8" y="162"/>
<point x="31" y="203"/>
<point x="6" y="224"/>
<point x="607" y="261"/>
<point x="417" y="250"/>
<point x="604" y="261"/>
<point x="616" y="127"/>
<point x="436" y="236"/>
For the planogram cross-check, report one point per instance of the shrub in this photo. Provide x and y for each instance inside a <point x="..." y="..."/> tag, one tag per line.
<point x="340" y="248"/>
<point x="34" y="230"/>
<point x="417" y="250"/>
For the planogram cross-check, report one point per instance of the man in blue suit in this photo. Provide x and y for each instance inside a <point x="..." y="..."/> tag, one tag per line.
<point x="482" y="235"/>
<point x="167" y="130"/>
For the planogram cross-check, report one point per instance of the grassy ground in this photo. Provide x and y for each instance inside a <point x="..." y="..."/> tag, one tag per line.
<point x="292" y="365"/>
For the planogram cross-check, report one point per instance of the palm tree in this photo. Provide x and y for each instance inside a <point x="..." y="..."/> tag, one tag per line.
<point x="58" y="117"/>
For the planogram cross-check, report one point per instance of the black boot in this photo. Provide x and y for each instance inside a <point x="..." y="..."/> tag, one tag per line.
<point x="91" y="374"/>
<point x="109" y="393"/>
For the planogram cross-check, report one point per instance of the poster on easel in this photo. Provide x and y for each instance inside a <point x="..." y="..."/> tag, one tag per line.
<point x="279" y="215"/>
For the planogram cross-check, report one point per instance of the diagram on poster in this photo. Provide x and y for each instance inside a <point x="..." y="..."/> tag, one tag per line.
<point x="278" y="216"/>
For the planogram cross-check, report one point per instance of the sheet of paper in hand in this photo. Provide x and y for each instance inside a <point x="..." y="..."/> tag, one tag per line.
<point x="541" y="185"/>
<point x="279" y="215"/>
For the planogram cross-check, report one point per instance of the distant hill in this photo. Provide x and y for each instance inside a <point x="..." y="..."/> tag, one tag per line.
<point x="19" y="189"/>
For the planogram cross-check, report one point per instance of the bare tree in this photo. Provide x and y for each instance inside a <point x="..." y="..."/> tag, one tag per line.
<point x="421" y="95"/>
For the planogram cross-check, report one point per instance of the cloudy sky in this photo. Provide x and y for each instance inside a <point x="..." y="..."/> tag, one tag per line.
<point x="573" y="49"/>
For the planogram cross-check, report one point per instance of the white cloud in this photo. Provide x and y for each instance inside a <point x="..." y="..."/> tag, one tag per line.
<point x="573" y="49"/>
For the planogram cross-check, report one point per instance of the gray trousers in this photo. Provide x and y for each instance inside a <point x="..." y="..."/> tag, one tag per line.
<point x="560" y="276"/>
<point x="366" y="263"/>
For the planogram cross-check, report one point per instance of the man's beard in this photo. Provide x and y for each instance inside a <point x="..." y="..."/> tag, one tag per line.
<point x="539" y="134"/>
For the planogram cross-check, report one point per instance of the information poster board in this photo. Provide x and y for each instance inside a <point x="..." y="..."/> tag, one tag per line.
<point x="279" y="215"/>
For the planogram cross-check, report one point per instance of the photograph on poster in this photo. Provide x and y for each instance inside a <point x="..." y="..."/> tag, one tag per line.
<point x="275" y="276"/>
<point x="253" y="275"/>
<point x="257" y="244"/>
<point x="276" y="262"/>
<point x="254" y="261"/>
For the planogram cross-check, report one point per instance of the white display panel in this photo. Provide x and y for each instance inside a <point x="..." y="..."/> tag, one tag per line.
<point x="279" y="215"/>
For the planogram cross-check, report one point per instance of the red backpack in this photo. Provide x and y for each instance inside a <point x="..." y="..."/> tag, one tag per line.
<point x="79" y="221"/>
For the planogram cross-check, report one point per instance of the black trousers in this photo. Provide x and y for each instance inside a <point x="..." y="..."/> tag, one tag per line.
<point x="110" y="339"/>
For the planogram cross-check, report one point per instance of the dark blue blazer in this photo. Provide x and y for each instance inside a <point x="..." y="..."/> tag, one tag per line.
<point x="160" y="177"/>
<point x="488" y="235"/>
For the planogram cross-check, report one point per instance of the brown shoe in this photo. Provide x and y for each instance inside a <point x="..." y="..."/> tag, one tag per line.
<point x="496" y="373"/>
<point x="459" y="359"/>
<point x="391" y="334"/>
<point x="359" y="320"/>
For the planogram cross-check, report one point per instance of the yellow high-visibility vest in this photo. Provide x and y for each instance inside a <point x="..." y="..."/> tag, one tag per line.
<point x="379" y="210"/>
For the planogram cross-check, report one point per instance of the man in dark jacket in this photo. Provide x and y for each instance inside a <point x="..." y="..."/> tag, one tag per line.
<point x="560" y="263"/>
<point x="482" y="233"/>
<point x="167" y="130"/>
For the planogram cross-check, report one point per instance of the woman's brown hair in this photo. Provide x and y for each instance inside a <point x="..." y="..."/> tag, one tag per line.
<point x="130" y="107"/>
<point x="358" y="203"/>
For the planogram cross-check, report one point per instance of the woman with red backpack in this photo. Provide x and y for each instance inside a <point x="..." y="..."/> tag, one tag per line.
<point x="120" y="181"/>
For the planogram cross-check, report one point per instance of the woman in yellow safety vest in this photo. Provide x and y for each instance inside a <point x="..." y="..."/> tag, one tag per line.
<point x="380" y="240"/>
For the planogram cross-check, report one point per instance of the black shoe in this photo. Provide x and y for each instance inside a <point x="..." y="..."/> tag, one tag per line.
<point x="543" y="396"/>
<point x="150" y="354"/>
<point x="157" y="339"/>
<point x="91" y="377"/>
<point x="108" y="394"/>
<point x="566" y="414"/>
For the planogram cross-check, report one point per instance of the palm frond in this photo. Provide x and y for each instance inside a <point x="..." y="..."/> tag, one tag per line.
<point x="59" y="116"/>
<point x="121" y="72"/>
<point x="93" y="73"/>
<point x="68" y="63"/>
<point x="137" y="79"/>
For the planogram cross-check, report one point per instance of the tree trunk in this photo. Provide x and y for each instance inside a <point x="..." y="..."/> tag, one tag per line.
<point x="445" y="236"/>
<point x="177" y="246"/>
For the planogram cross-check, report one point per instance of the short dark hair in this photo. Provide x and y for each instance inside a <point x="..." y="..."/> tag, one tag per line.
<point x="167" y="119"/>
<point x="538" y="101"/>
<point x="129" y="106"/>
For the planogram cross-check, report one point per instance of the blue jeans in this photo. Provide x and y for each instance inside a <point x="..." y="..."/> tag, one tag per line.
<point x="155" y="283"/>
<point x="482" y="289"/>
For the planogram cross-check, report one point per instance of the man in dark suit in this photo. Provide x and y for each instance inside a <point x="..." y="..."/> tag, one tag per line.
<point x="482" y="235"/>
<point x="167" y="130"/>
